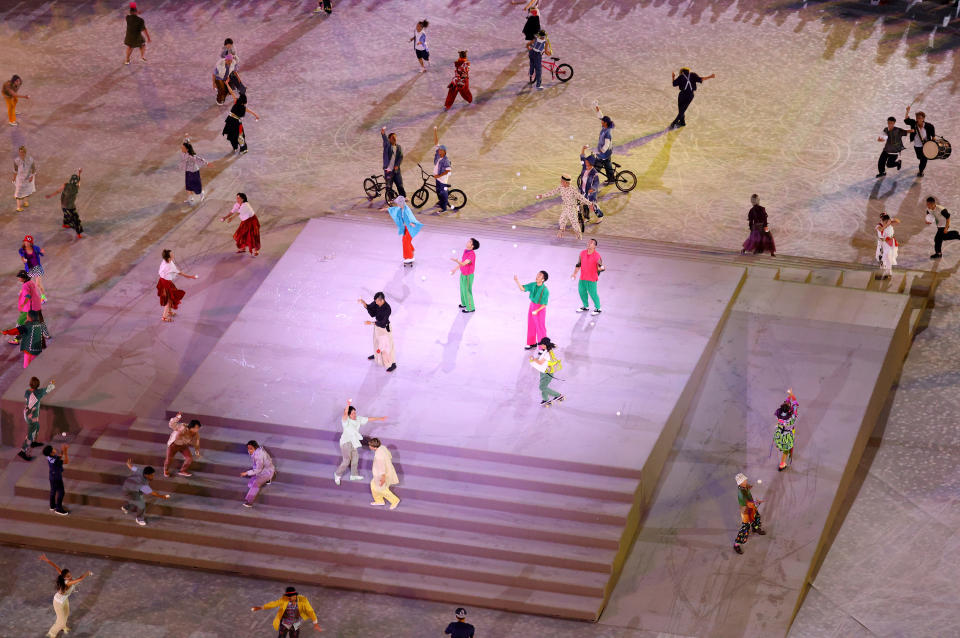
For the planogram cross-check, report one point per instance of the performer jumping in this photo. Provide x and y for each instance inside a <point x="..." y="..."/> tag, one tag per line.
<point x="749" y="514"/>
<point x="921" y="131"/>
<point x="687" y="83"/>
<point x="407" y="226"/>
<point x="247" y="235"/>
<point x="887" y="246"/>
<point x="784" y="436"/>
<point x="892" y="137"/>
<point x="537" y="312"/>
<point x="937" y="214"/>
<point x="383" y="351"/>
<point x="170" y="295"/>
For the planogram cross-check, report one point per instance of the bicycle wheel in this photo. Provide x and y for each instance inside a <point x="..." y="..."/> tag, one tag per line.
<point x="370" y="187"/>
<point x="580" y="180"/>
<point x="626" y="181"/>
<point x="419" y="198"/>
<point x="564" y="72"/>
<point x="457" y="198"/>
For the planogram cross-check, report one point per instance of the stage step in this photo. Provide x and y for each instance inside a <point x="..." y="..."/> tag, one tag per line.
<point x="322" y="446"/>
<point x="69" y="534"/>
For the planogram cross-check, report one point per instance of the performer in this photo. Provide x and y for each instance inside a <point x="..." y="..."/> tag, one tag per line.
<point x="749" y="514"/>
<point x="68" y="203"/>
<point x="569" y="197"/>
<point x="589" y="265"/>
<point x="461" y="628"/>
<point x="589" y="187"/>
<point x="784" y="436"/>
<point x="61" y="600"/>
<point x="382" y="336"/>
<point x="229" y="48"/>
<point x="407" y="226"/>
<point x="604" y="145"/>
<point x="537" y="315"/>
<point x="247" y="235"/>
<point x="30" y="255"/>
<point x="182" y="438"/>
<point x="687" y="83"/>
<point x="350" y="442"/>
<point x="547" y="364"/>
<point x="136" y="488"/>
<point x="233" y="125"/>
<point x="223" y="74"/>
<point x="759" y="238"/>
<point x="466" y="265"/>
<point x="31" y="415"/>
<point x="460" y="83"/>
<point x="535" y="51"/>
<point x="887" y="245"/>
<point x="260" y="474"/>
<point x="892" y="137"/>
<point x="384" y="475"/>
<point x="28" y="299"/>
<point x="24" y="172"/>
<point x="133" y="39"/>
<point x="190" y="164"/>
<point x="292" y="608"/>
<point x="921" y="131"/>
<point x="420" y="45"/>
<point x="323" y="6"/>
<point x="441" y="171"/>
<point x="392" y="158"/>
<point x="532" y="26"/>
<point x="55" y="462"/>
<point x="11" y="97"/>
<point x="31" y="337"/>
<point x="170" y="295"/>
<point x="941" y="217"/>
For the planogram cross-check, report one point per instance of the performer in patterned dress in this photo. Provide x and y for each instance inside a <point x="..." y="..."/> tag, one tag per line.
<point x="887" y="245"/>
<point x="784" y="436"/>
<point x="31" y="335"/>
<point x="570" y="197"/>
<point x="460" y="83"/>
<point x="31" y="415"/>
<point x="749" y="514"/>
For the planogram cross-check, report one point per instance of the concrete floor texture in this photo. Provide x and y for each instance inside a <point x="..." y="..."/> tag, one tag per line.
<point x="801" y="93"/>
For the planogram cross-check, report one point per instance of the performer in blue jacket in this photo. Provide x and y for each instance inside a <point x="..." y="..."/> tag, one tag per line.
<point x="407" y="226"/>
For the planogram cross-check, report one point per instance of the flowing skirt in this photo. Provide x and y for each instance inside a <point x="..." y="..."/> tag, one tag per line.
<point x="23" y="186"/>
<point x="760" y="241"/>
<point x="169" y="293"/>
<point x="192" y="182"/>
<point x="248" y="234"/>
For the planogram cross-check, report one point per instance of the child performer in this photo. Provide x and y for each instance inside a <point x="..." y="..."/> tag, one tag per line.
<point x="785" y="434"/>
<point x="749" y="514"/>
<point x="247" y="235"/>
<point x="466" y="265"/>
<point x="407" y="226"/>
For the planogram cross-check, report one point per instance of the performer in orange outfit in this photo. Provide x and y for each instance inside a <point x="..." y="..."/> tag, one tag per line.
<point x="461" y="81"/>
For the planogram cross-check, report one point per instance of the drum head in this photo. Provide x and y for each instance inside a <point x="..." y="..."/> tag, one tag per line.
<point x="931" y="149"/>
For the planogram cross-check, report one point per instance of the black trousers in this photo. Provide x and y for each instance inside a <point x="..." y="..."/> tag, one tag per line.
<point x="56" y="494"/>
<point x="683" y="101"/>
<point x="923" y="159"/>
<point x="606" y="166"/>
<point x="887" y="160"/>
<point x="943" y="236"/>
<point x="394" y="179"/>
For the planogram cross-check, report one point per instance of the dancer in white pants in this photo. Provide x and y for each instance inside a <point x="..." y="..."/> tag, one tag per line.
<point x="61" y="602"/>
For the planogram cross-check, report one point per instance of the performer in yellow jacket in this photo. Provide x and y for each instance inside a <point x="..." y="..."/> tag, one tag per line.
<point x="292" y="609"/>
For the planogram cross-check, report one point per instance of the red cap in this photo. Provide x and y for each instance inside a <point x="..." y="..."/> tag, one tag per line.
<point x="28" y="238"/>
<point x="133" y="5"/>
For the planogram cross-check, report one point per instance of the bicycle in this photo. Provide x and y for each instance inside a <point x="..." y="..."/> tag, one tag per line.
<point x="373" y="186"/>
<point x="624" y="180"/>
<point x="455" y="196"/>
<point x="562" y="72"/>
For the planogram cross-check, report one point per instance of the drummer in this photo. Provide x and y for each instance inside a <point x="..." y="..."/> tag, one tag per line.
<point x="921" y="132"/>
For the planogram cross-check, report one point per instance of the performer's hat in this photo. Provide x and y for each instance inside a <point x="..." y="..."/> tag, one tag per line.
<point x="291" y="591"/>
<point x="28" y="238"/>
<point x="741" y="478"/>
<point x="565" y="177"/>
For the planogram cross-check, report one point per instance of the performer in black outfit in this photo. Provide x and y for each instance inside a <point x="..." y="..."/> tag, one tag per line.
<point x="687" y="83"/>
<point x="920" y="132"/>
<point x="893" y="138"/>
<point x="937" y="214"/>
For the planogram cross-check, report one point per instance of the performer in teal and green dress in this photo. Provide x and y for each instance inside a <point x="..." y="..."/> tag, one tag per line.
<point x="31" y="414"/>
<point x="785" y="435"/>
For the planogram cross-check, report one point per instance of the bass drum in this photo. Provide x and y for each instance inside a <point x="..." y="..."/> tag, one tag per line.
<point x="937" y="148"/>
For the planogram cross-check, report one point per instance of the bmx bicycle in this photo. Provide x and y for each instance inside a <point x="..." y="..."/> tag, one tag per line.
<point x="624" y="180"/>
<point x="456" y="197"/>
<point x="373" y="186"/>
<point x="562" y="72"/>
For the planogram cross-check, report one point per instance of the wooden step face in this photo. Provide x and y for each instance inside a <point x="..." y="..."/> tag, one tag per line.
<point x="298" y="570"/>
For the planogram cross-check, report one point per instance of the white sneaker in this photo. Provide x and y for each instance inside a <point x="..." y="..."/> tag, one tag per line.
<point x="596" y="311"/>
<point x="141" y="522"/>
<point x="336" y="478"/>
<point x="203" y="195"/>
<point x="356" y="478"/>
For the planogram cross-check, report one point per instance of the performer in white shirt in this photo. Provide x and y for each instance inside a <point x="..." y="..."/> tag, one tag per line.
<point x="887" y="246"/>
<point x="247" y="235"/>
<point x="170" y="295"/>
<point x="350" y="441"/>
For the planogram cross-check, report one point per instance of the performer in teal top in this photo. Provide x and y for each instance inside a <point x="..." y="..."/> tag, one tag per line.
<point x="537" y="313"/>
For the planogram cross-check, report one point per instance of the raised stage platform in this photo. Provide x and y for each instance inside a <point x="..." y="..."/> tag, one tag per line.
<point x="505" y="503"/>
